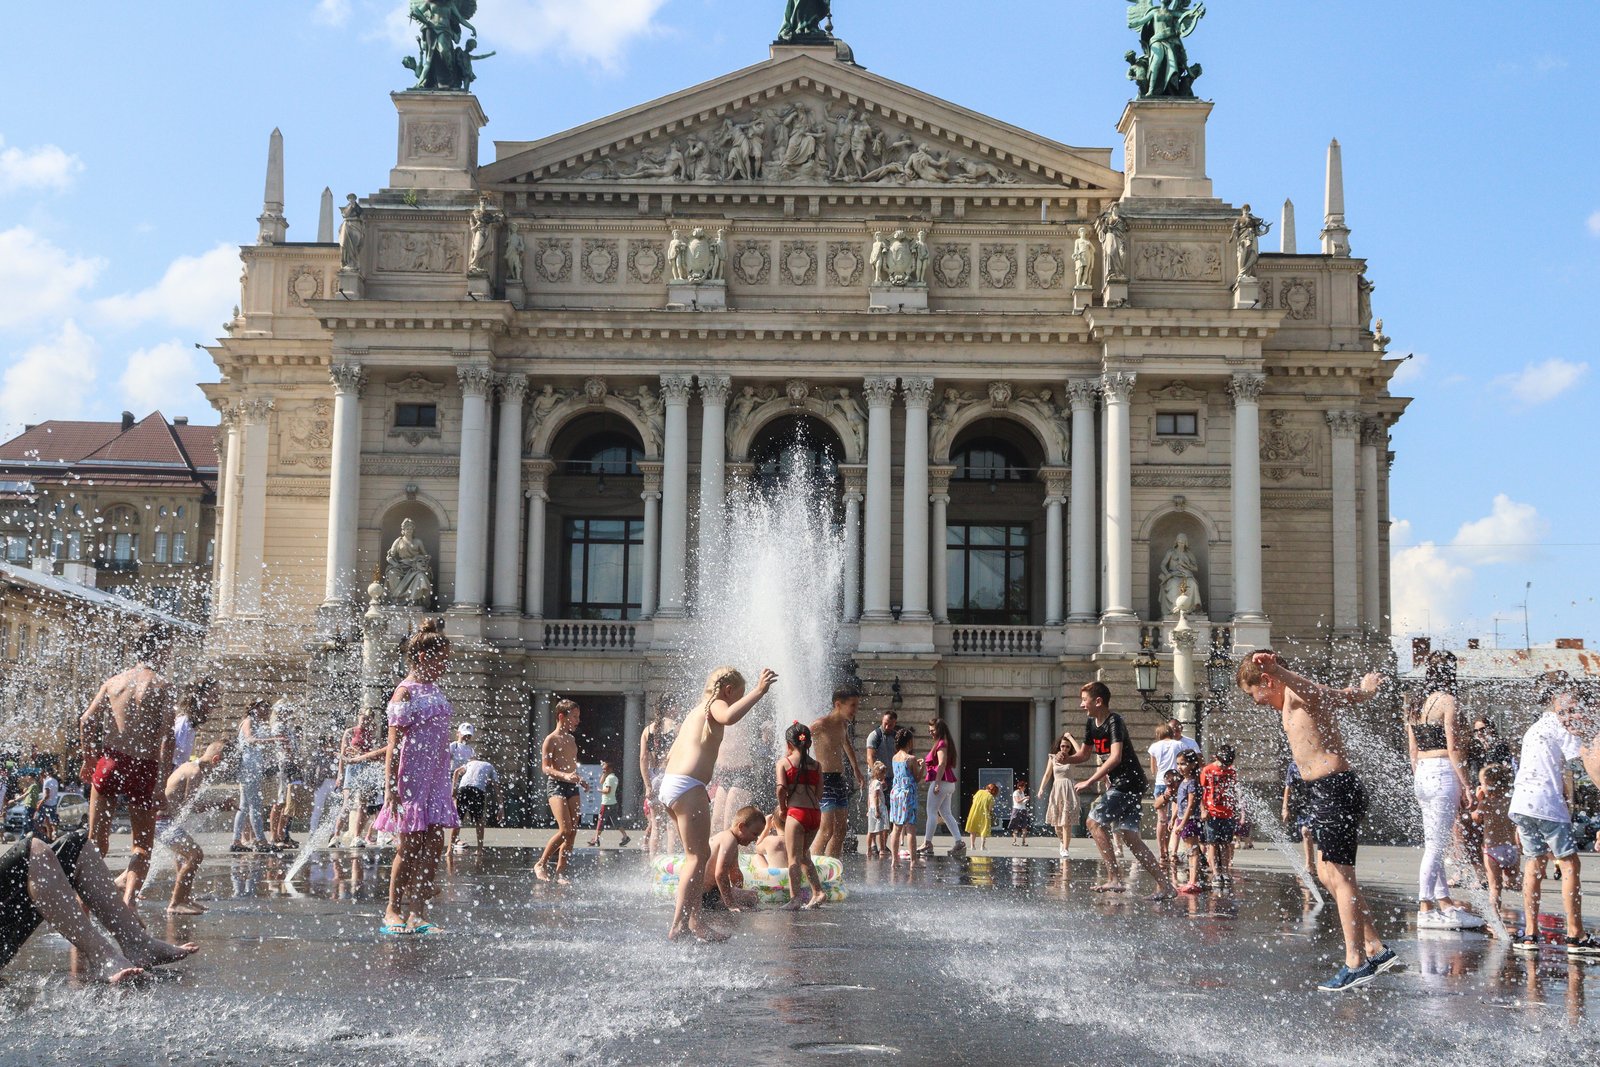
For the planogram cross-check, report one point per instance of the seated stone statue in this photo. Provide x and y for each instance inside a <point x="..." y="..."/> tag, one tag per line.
<point x="1180" y="574"/>
<point x="408" y="570"/>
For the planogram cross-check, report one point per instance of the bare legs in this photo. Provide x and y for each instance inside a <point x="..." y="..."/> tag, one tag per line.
<point x="565" y="810"/>
<point x="190" y="856"/>
<point x="1361" y="940"/>
<point x="798" y="840"/>
<point x="692" y="811"/>
<point x="412" y="879"/>
<point x="1571" y="893"/>
<point x="830" y="835"/>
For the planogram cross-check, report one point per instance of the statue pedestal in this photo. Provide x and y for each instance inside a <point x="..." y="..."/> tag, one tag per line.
<point x="1082" y="298"/>
<point x="897" y="298"/>
<point x="517" y="293"/>
<point x="1165" y="142"/>
<point x="479" y="286"/>
<point x="1116" y="293"/>
<point x="697" y="296"/>
<point x="1246" y="293"/>
<point x="349" y="285"/>
<point x="438" y="141"/>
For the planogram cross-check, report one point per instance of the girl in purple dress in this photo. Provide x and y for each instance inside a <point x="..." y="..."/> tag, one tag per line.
<point x="418" y="806"/>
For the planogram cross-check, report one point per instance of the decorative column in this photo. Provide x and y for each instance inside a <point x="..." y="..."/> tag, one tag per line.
<point x="880" y="460"/>
<point x="1055" y="495"/>
<point x="344" y="484"/>
<point x="855" y="486"/>
<point x="227" y="545"/>
<point x="1374" y="439"/>
<point x="674" y="495"/>
<point x="652" y="537"/>
<point x="632" y="732"/>
<point x="713" y="456"/>
<point x="1345" y="427"/>
<point x="508" y="494"/>
<point x="472" y="522"/>
<point x="939" y="542"/>
<point x="1043" y="741"/>
<point x="252" y="507"/>
<point x="1118" y="388"/>
<point x="1083" y="392"/>
<point x="1246" y="476"/>
<point x="914" y="516"/>
<point x="538" y="494"/>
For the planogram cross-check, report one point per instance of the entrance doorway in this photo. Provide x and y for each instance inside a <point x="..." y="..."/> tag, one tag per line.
<point x="994" y="734"/>
<point x="600" y="737"/>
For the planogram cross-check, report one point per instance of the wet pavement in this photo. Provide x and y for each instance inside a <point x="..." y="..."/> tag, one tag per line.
<point x="998" y="960"/>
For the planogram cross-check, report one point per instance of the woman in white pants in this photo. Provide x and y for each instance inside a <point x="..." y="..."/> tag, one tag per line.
<point x="942" y="789"/>
<point x="1433" y="733"/>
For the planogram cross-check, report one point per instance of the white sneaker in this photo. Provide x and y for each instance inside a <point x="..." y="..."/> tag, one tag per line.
<point x="1464" y="919"/>
<point x="1436" y="919"/>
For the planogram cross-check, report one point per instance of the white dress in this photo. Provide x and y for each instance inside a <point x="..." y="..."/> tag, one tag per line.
<point x="1063" y="806"/>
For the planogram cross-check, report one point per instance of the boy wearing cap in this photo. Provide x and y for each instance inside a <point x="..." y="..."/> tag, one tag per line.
<point x="462" y="752"/>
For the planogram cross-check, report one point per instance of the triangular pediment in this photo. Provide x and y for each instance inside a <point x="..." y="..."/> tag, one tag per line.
<point x="803" y="121"/>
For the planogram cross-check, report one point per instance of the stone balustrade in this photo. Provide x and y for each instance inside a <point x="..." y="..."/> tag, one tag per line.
<point x="587" y="636"/>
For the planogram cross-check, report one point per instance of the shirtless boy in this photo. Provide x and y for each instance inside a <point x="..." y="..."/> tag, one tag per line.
<point x="1335" y="800"/>
<point x="182" y="786"/>
<point x="683" y="786"/>
<point x="128" y="731"/>
<point x="558" y="758"/>
<point x="727" y="880"/>
<point x="830" y="746"/>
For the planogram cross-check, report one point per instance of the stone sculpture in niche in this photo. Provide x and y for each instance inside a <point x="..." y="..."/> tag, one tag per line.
<point x="1364" y="291"/>
<point x="1113" y="231"/>
<point x="480" y="253"/>
<point x="1180" y="574"/>
<point x="408" y="570"/>
<point x="352" y="234"/>
<point x="1247" y="233"/>
<point x="516" y="250"/>
<point x="1083" y="259"/>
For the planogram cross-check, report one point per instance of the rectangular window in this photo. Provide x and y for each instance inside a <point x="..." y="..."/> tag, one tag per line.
<point x="211" y="551"/>
<point x="180" y="546"/>
<point x="416" y="416"/>
<point x="161" y="548"/>
<point x="16" y="549"/>
<point x="5" y="640"/>
<point x="74" y="545"/>
<point x="604" y="563"/>
<point x="58" y="544"/>
<point x="1177" y="424"/>
<point x="122" y="548"/>
<point x="988" y="574"/>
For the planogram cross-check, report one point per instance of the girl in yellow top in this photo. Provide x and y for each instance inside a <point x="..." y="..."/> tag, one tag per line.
<point x="980" y="817"/>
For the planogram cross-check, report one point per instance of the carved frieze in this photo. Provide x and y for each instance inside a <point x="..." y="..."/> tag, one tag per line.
<point x="433" y="139"/>
<point x="600" y="258"/>
<point x="1177" y="261"/>
<point x="422" y="253"/>
<point x="1168" y="147"/>
<point x="1181" y="477"/>
<point x="752" y="262"/>
<point x="552" y="258"/>
<point x="952" y="265"/>
<point x="1046" y="266"/>
<point x="798" y="262"/>
<point x="844" y="264"/>
<point x="1287" y="450"/>
<point x="998" y="266"/>
<point x="645" y="262"/>
<point x="308" y="436"/>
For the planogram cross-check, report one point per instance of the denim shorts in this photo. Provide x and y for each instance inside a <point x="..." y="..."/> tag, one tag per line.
<point x="1117" y="810"/>
<point x="1215" y="831"/>
<point x="1544" y="837"/>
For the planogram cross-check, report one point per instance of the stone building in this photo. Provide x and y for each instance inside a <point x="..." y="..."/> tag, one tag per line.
<point x="128" y="507"/>
<point x="1056" y="396"/>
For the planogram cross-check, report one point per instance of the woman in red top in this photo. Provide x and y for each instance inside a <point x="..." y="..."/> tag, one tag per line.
<point x="942" y="789"/>
<point x="799" y="790"/>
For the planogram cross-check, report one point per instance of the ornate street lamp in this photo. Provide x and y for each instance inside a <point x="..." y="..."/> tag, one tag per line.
<point x="1146" y="669"/>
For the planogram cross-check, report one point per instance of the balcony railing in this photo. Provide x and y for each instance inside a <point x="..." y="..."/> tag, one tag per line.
<point x="584" y="636"/>
<point x="997" y="640"/>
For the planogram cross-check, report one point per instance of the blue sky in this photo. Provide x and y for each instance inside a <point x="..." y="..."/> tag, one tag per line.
<point x="131" y="163"/>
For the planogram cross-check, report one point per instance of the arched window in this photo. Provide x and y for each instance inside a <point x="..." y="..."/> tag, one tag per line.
<point x="988" y="459"/>
<point x="792" y="445"/>
<point x="603" y="454"/>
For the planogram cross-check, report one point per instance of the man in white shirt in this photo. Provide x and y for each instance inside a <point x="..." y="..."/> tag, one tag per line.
<point x="44" y="816"/>
<point x="476" y="782"/>
<point x="1566" y="731"/>
<point x="461" y="750"/>
<point x="1188" y="743"/>
<point x="194" y="708"/>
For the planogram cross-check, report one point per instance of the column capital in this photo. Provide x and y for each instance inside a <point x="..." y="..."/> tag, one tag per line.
<point x="714" y="389"/>
<point x="1118" y="386"/>
<point x="256" y="409"/>
<point x="675" y="388"/>
<point x="536" y="473"/>
<point x="475" y="379"/>
<point x="1246" y="388"/>
<point x="513" y="387"/>
<point x="1345" y="424"/>
<point x="228" y="414"/>
<point x="854" y="476"/>
<point x="1083" y="393"/>
<point x="651" y="470"/>
<point x="879" y="392"/>
<point x="1055" y="483"/>
<point x="939" y="481"/>
<point x="918" y="391"/>
<point x="347" y="377"/>
<point x="1375" y="433"/>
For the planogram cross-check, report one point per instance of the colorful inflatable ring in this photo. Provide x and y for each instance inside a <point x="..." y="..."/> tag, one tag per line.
<point x="772" y="888"/>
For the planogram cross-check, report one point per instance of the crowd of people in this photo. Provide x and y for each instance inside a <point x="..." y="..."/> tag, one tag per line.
<point x="417" y="778"/>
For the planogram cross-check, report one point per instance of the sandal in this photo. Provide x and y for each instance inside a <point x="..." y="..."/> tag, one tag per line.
<point x="394" y="929"/>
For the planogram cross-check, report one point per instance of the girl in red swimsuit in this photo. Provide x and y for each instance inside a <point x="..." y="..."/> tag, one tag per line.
<point x="799" y="789"/>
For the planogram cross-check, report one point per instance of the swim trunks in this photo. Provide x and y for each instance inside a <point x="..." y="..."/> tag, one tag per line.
<point x="835" y="792"/>
<point x="565" y="790"/>
<point x="810" y="818"/>
<point x="18" y="917"/>
<point x="1335" y="806"/>
<point x="470" y="804"/>
<point x="174" y="836"/>
<point x="138" y="781"/>
<point x="1117" y="810"/>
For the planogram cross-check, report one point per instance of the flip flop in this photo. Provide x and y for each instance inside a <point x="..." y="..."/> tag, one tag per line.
<point x="422" y="928"/>
<point x="397" y="930"/>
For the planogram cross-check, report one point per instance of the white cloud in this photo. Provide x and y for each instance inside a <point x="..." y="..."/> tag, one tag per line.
<point x="1540" y="383"/>
<point x="581" y="29"/>
<point x="1431" y="583"/>
<point x="45" y="167"/>
<point x="163" y="377"/>
<point x="1594" y="224"/>
<point x="39" y="280"/>
<point x="51" y="380"/>
<point x="1411" y="370"/>
<point x="332" y="12"/>
<point x="195" y="294"/>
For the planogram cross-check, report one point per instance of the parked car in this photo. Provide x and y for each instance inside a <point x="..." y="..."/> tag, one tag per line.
<point x="72" y="811"/>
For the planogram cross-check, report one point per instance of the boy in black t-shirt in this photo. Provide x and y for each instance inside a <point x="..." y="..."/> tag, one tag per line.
<point x="1118" y="809"/>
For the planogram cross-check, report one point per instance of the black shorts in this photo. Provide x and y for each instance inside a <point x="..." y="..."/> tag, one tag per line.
<point x="18" y="917"/>
<point x="1215" y="831"/>
<point x="472" y="804"/>
<point x="564" y="790"/>
<point x="835" y="792"/>
<point x="1335" y="806"/>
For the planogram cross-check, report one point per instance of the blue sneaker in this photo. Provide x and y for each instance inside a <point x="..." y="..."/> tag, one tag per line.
<point x="1384" y="961"/>
<point x="1346" y="978"/>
